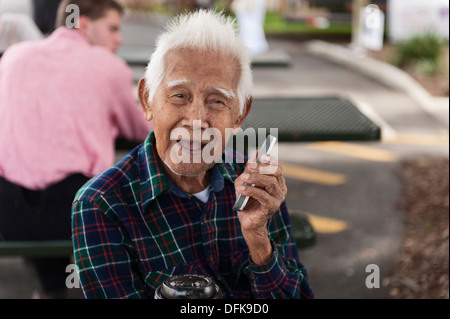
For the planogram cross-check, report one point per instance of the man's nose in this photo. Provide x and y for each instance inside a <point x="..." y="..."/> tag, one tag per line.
<point x="119" y="40"/>
<point x="196" y="114"/>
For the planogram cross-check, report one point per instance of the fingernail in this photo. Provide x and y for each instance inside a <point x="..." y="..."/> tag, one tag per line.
<point x="242" y="188"/>
<point x="245" y="176"/>
<point x="265" y="159"/>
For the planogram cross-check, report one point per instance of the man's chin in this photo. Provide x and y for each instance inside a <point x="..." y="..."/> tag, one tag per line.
<point x="189" y="169"/>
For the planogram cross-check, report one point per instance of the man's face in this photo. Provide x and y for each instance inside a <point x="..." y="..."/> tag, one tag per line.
<point x="106" y="30"/>
<point x="197" y="96"/>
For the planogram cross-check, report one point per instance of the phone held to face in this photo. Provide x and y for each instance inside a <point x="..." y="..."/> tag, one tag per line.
<point x="265" y="149"/>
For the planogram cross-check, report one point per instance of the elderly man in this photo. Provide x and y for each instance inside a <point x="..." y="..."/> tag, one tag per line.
<point x="159" y="212"/>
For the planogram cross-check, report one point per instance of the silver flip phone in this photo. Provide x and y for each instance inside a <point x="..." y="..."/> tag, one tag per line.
<point x="266" y="148"/>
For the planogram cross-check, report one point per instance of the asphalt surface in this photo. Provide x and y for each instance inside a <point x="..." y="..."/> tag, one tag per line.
<point x="356" y="220"/>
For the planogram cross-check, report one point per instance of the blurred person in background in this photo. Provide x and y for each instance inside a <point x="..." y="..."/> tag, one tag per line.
<point x="14" y="28"/>
<point x="63" y="102"/>
<point x="250" y="15"/>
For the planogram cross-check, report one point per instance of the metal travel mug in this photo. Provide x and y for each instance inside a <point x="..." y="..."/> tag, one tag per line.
<point x="188" y="287"/>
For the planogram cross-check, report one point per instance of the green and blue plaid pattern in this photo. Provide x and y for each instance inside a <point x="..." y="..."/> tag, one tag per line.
<point x="133" y="228"/>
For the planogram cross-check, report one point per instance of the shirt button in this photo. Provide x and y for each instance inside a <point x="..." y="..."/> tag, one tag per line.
<point x="252" y="276"/>
<point x="211" y="258"/>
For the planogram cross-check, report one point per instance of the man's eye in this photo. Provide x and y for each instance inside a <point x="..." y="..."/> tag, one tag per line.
<point x="219" y="102"/>
<point x="178" y="99"/>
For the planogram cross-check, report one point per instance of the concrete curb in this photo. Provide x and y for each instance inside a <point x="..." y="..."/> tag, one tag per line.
<point x="382" y="72"/>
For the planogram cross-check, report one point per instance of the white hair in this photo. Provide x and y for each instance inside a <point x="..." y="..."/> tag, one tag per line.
<point x="203" y="30"/>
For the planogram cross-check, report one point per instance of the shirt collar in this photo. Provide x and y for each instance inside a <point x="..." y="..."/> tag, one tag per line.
<point x="67" y="33"/>
<point x="217" y="182"/>
<point x="155" y="182"/>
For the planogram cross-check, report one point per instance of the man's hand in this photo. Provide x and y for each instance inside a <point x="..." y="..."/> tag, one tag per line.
<point x="265" y="199"/>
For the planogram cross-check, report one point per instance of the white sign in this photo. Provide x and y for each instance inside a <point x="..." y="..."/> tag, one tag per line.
<point x="409" y="18"/>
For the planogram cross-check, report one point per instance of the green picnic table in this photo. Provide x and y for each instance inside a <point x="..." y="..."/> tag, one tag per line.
<point x="140" y="55"/>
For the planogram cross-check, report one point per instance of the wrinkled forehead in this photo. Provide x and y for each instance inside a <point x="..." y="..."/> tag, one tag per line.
<point x="191" y="65"/>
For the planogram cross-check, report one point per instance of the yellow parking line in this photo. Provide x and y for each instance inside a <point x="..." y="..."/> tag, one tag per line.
<point x="313" y="175"/>
<point x="418" y="139"/>
<point x="357" y="151"/>
<point x="325" y="225"/>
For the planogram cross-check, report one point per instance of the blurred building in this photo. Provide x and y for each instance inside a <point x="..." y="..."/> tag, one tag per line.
<point x="409" y="18"/>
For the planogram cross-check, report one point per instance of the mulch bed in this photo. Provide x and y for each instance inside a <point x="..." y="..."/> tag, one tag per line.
<point x="423" y="263"/>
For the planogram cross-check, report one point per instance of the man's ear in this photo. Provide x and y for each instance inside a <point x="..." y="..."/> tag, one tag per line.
<point x="84" y="24"/>
<point x="144" y="99"/>
<point x="241" y="118"/>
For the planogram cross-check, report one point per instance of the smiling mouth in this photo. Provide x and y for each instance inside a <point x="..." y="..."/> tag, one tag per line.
<point x="192" y="146"/>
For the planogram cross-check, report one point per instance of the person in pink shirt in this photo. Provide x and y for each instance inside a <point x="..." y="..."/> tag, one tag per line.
<point x="63" y="102"/>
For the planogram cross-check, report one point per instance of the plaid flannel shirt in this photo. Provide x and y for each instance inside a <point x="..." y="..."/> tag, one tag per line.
<point x="133" y="228"/>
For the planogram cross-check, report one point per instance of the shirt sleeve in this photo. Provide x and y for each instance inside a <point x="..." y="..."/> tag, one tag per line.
<point x="283" y="276"/>
<point x="102" y="255"/>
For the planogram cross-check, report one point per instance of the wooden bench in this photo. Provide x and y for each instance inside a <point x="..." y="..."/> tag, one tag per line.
<point x="55" y="248"/>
